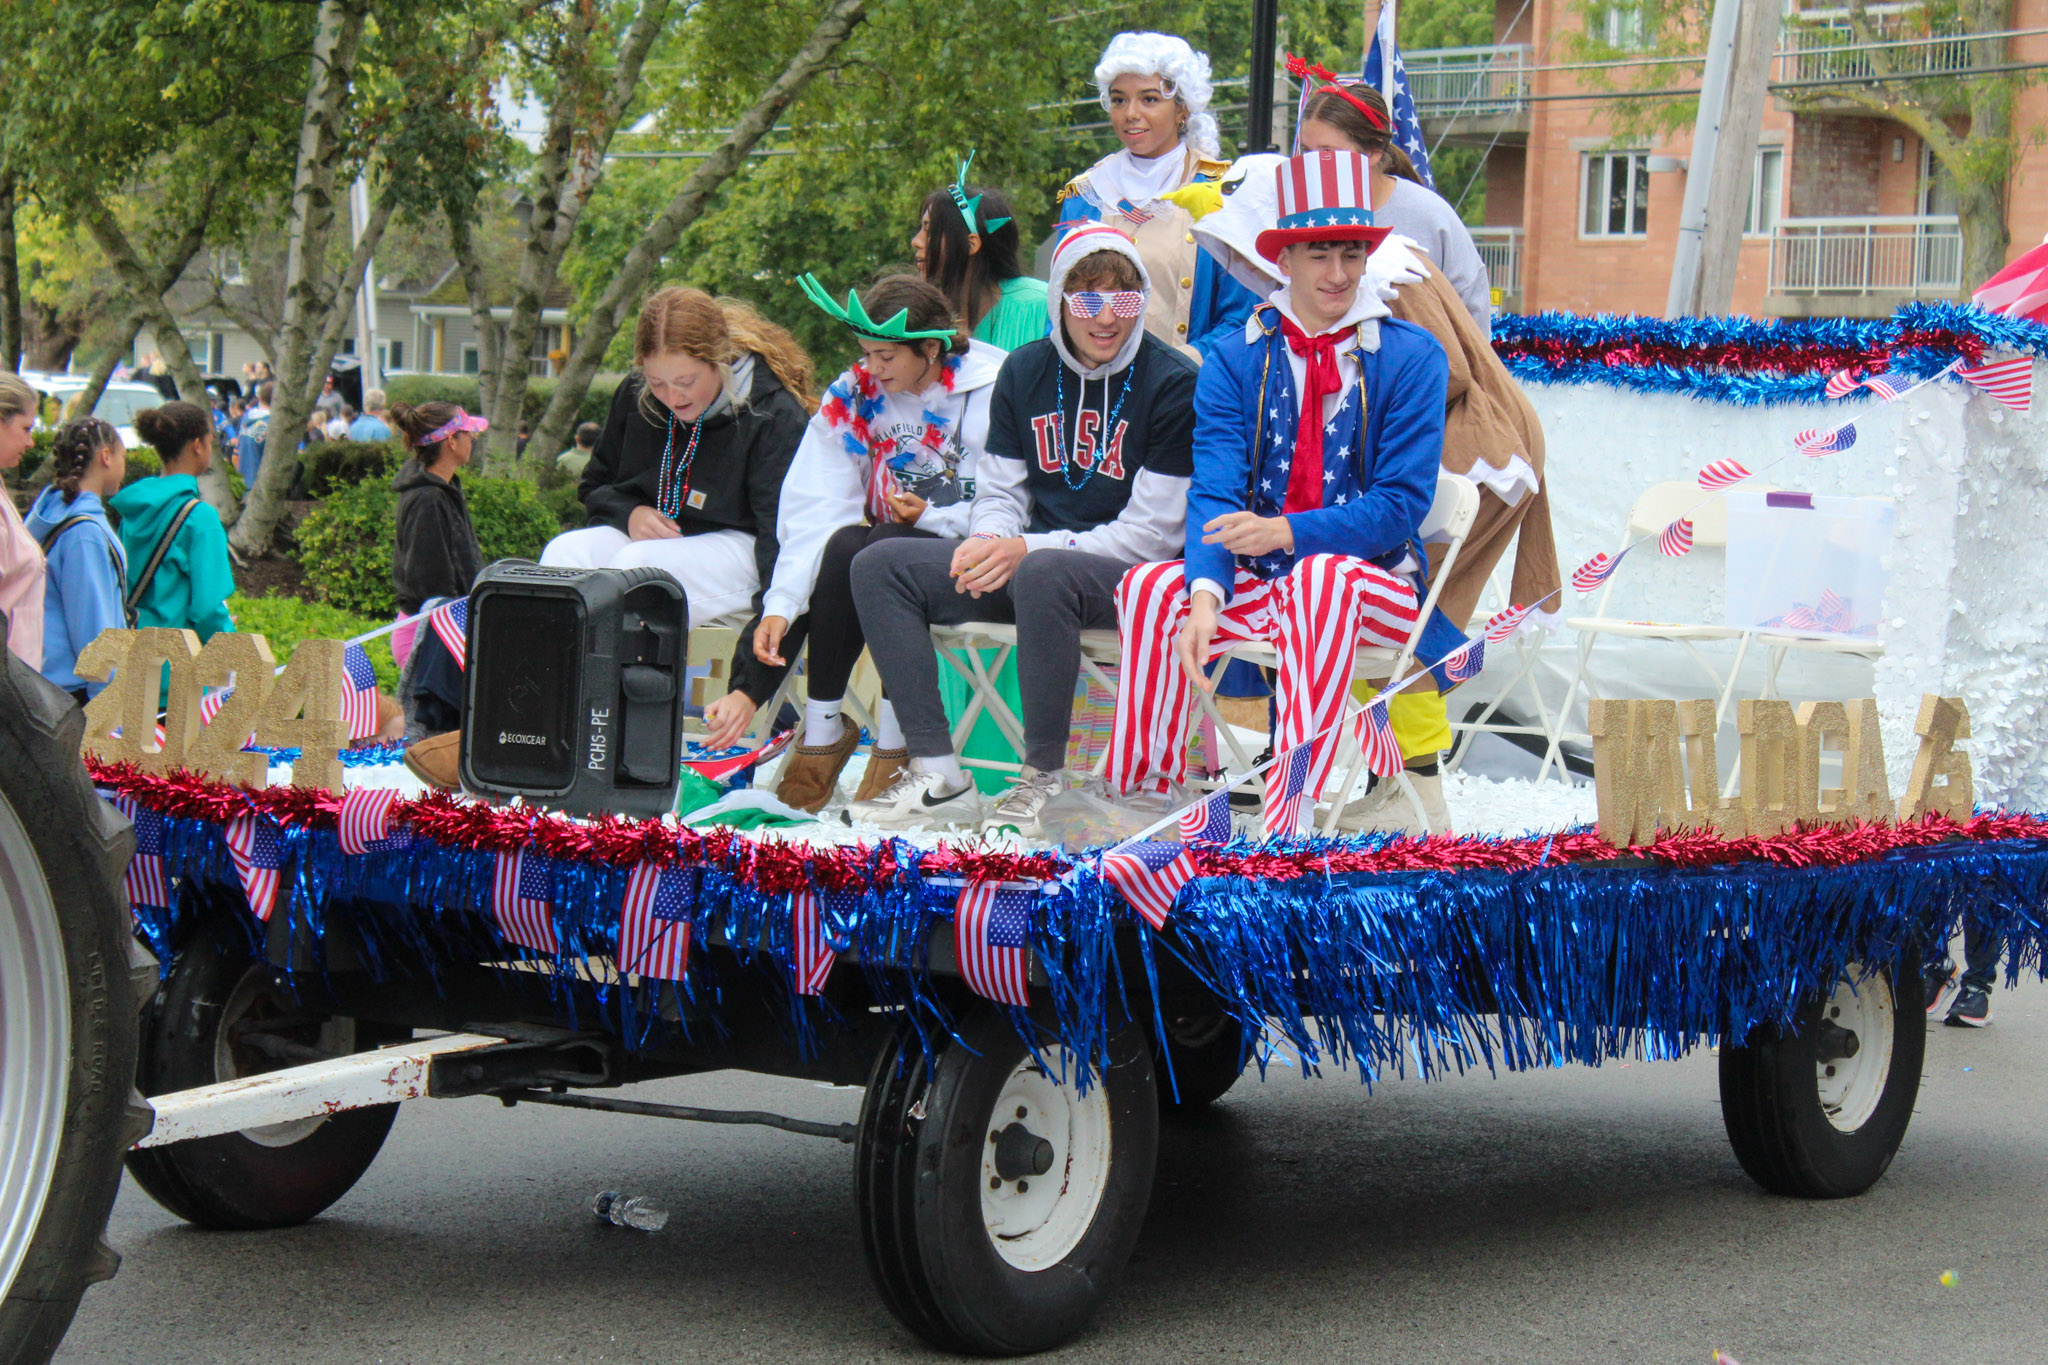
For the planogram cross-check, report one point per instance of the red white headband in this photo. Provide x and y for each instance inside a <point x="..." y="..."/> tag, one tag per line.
<point x="1300" y="69"/>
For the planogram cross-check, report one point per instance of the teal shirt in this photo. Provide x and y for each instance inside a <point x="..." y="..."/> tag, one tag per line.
<point x="1019" y="315"/>
<point x="192" y="587"/>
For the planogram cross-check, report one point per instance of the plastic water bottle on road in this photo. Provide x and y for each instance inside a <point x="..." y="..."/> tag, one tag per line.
<point x="628" y="1211"/>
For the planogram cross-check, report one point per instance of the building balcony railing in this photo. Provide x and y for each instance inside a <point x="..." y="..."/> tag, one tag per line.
<point x="1501" y="249"/>
<point x="1914" y="256"/>
<point x="1829" y="52"/>
<point x="1469" y="82"/>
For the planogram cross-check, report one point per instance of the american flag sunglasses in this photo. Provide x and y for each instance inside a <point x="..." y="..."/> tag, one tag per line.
<point x="1088" y="303"/>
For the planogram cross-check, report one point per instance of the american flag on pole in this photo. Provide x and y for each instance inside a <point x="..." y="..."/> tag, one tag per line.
<point x="450" y="621"/>
<point x="358" y="693"/>
<point x="1287" y="792"/>
<point x="145" y="880"/>
<point x="654" y="921"/>
<point x="1208" y="820"/>
<point x="366" y="821"/>
<point x="1842" y="383"/>
<point x="1465" y="662"/>
<point x="1889" y="385"/>
<point x="1815" y="442"/>
<point x="1150" y="874"/>
<point x="2010" y="382"/>
<point x="2020" y="290"/>
<point x="1722" y="474"/>
<point x="258" y="853"/>
<point x="1676" y="539"/>
<point x="992" y="937"/>
<point x="1594" y="571"/>
<point x="1376" y="737"/>
<point x="1388" y="74"/>
<point x="1505" y="622"/>
<point x="811" y="910"/>
<point x="522" y="901"/>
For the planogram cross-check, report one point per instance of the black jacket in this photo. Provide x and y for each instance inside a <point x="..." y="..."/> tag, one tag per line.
<point x="437" y="551"/>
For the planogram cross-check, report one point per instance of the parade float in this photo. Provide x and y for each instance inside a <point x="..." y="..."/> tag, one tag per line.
<point x="1771" y="877"/>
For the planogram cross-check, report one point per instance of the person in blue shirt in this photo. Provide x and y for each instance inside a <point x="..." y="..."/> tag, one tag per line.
<point x="88" y="570"/>
<point x="369" y="424"/>
<point x="255" y="431"/>
<point x="1319" y="429"/>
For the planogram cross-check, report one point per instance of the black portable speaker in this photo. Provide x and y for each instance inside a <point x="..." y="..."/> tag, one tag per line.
<point x="573" y="695"/>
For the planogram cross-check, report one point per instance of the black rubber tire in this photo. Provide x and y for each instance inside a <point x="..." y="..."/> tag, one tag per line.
<point x="920" y="1163"/>
<point x="82" y="845"/>
<point x="1771" y="1104"/>
<point x="232" y="1181"/>
<point x="1206" y="1052"/>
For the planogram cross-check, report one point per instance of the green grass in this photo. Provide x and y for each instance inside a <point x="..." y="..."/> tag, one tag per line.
<point x="284" y="621"/>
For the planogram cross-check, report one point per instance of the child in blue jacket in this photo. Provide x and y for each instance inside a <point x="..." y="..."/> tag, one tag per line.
<point x="87" y="569"/>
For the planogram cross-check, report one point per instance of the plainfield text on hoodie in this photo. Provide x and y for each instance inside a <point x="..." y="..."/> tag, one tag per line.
<point x="1094" y="458"/>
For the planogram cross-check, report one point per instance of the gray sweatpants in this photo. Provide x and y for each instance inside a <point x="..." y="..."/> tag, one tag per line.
<point x="903" y="587"/>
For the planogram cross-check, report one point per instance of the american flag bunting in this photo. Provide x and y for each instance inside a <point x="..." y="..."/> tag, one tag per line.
<point x="2020" y="290"/>
<point x="450" y="621"/>
<point x="1594" y="571"/>
<point x="522" y="901"/>
<point x="366" y="821"/>
<point x="1287" y="792"/>
<point x="1676" y="539"/>
<point x="1722" y="474"/>
<point x="1208" y="820"/>
<point x="358" y="693"/>
<point x="145" y="880"/>
<point x="1465" y="662"/>
<point x="1889" y="385"/>
<point x="1815" y="442"/>
<point x="257" y="849"/>
<point x="1505" y="622"/>
<point x="992" y="938"/>
<point x="1842" y="383"/>
<point x="1376" y="736"/>
<point x="2010" y="382"/>
<point x="1149" y="874"/>
<point x="654" y="921"/>
<point x="811" y="912"/>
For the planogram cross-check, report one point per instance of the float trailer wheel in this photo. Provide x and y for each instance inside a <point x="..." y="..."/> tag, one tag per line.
<point x="997" y="1205"/>
<point x="1819" y="1113"/>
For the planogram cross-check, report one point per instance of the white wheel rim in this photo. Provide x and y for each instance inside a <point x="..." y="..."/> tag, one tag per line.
<point x="1850" y="1087"/>
<point x="1035" y="1222"/>
<point x="35" y="1043"/>
<point x="230" y="1063"/>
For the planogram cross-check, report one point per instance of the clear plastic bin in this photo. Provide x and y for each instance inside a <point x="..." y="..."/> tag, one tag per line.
<point x="1807" y="564"/>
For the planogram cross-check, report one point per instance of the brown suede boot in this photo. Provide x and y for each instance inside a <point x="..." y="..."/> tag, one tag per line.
<point x="437" y="760"/>
<point x="884" y="767"/>
<point x="811" y="774"/>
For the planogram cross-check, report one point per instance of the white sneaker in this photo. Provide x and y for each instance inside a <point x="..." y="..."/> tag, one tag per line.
<point x="1386" y="809"/>
<point x="1021" y="805"/>
<point x="919" y="801"/>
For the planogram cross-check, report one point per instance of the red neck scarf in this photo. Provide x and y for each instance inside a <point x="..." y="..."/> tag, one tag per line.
<point x="1305" y="473"/>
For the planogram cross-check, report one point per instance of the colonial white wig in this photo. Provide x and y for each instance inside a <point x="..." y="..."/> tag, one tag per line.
<point x="1183" y="72"/>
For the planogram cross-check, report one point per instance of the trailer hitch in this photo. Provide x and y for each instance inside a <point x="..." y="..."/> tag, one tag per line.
<point x="546" y="1057"/>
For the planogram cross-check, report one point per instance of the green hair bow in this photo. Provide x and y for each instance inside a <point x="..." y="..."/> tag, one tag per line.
<point x="856" y="316"/>
<point x="970" y="208"/>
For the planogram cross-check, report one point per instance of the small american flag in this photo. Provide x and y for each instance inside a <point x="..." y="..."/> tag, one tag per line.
<point x="810" y="947"/>
<point x="1815" y="442"/>
<point x="1376" y="737"/>
<point x="450" y="621"/>
<point x="1465" y="662"/>
<point x="1133" y="212"/>
<point x="211" y="702"/>
<point x="146" y="881"/>
<point x="1504" y="623"/>
<point x="1722" y="474"/>
<point x="1208" y="820"/>
<point x="2021" y="289"/>
<point x="358" y="693"/>
<point x="654" y="921"/>
<point x="258" y="853"/>
<point x="1842" y="383"/>
<point x="1150" y="874"/>
<point x="1889" y="385"/>
<point x="1287" y="792"/>
<point x="366" y="821"/>
<point x="992" y="937"/>
<point x="522" y="901"/>
<point x="719" y="769"/>
<point x="2010" y="382"/>
<point x="1677" y="539"/>
<point x="1594" y="571"/>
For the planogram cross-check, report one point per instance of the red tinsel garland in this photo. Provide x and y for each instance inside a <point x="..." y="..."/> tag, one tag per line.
<point x="776" y="866"/>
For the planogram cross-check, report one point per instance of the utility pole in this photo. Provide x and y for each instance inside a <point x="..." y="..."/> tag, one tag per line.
<point x="1258" y="121"/>
<point x="1717" y="180"/>
<point x="366" y="295"/>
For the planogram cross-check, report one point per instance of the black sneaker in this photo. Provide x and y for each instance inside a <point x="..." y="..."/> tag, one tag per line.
<point x="1972" y="1009"/>
<point x="1944" y="983"/>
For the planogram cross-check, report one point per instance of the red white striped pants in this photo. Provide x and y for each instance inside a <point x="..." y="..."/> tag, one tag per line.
<point x="1315" y="618"/>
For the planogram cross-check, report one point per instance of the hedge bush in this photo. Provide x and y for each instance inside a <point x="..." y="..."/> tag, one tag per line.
<point x="285" y="621"/>
<point x="331" y="465"/>
<point x="347" y="544"/>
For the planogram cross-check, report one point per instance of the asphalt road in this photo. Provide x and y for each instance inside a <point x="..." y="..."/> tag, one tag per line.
<point x="1571" y="1216"/>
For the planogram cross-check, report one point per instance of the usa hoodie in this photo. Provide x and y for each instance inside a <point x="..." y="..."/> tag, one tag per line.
<point x="1094" y="458"/>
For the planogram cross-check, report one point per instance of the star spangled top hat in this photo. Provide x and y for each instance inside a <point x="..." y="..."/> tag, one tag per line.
<point x="1323" y="198"/>
<point x="970" y="209"/>
<point x="855" y="316"/>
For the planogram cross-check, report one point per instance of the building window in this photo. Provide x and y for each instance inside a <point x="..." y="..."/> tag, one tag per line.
<point x="216" y="351"/>
<point x="1617" y="194"/>
<point x="545" y="338"/>
<point x="1620" y="25"/>
<point x="395" y="354"/>
<point x="1766" y="192"/>
<point x="471" y="362"/>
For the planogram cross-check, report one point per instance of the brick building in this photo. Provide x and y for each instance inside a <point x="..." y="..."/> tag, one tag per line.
<point x="1849" y="215"/>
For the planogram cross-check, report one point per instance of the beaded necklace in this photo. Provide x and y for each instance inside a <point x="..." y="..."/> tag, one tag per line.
<point x="1060" y="417"/>
<point x="673" y="485"/>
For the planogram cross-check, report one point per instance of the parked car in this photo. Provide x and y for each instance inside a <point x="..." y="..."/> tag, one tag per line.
<point x="119" y="401"/>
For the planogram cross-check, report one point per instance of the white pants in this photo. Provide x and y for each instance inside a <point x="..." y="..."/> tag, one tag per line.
<point x="716" y="568"/>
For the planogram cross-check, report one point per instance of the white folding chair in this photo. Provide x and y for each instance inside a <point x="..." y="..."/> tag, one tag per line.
<point x="1528" y="650"/>
<point x="708" y="676"/>
<point x="963" y="648"/>
<point x="1449" y="521"/>
<point x="1657" y="508"/>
